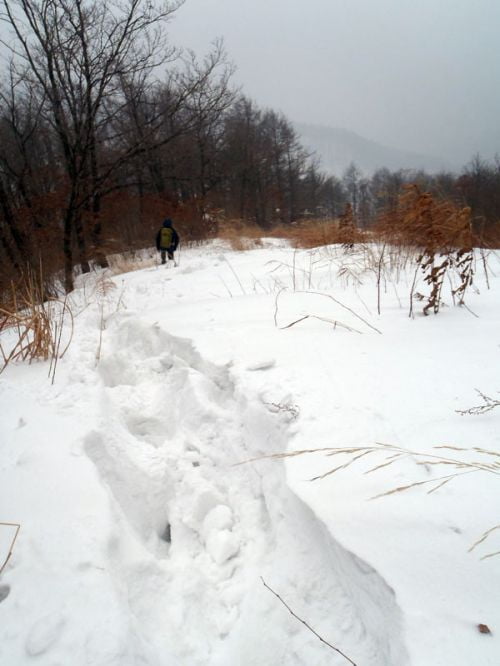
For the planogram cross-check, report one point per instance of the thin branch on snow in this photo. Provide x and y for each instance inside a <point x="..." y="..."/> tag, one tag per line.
<point x="318" y="293"/>
<point x="11" y="548"/>
<point x="488" y="404"/>
<point x="307" y="625"/>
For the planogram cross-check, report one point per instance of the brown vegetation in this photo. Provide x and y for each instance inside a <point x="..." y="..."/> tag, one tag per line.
<point x="37" y="322"/>
<point x="309" y="233"/>
<point x="240" y="235"/>
<point x="301" y="234"/>
<point x="441" y="232"/>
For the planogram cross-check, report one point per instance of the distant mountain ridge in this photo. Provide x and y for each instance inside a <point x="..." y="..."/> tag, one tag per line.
<point x="337" y="148"/>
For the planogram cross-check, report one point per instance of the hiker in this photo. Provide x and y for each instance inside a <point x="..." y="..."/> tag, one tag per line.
<point x="167" y="240"/>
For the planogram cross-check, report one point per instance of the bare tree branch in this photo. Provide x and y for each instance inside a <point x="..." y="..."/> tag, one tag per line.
<point x="308" y="626"/>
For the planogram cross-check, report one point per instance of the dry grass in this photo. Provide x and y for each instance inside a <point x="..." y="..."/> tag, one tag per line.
<point x="240" y="235"/>
<point x="334" y="322"/>
<point x="16" y="527"/>
<point x="103" y="286"/>
<point x="303" y="234"/>
<point x="37" y="322"/>
<point x="459" y="462"/>
<point x="441" y="232"/>
<point x="130" y="261"/>
<point x="489" y="403"/>
<point x="97" y="288"/>
<point x="306" y="234"/>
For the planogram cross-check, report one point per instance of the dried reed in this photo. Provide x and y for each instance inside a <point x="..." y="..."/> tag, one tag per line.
<point x="441" y="232"/>
<point x="489" y="403"/>
<point x="128" y="262"/>
<point x="486" y="461"/>
<point x="12" y="543"/>
<point x="36" y="321"/>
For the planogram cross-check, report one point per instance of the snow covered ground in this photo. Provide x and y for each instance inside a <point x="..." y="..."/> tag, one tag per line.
<point x="143" y="542"/>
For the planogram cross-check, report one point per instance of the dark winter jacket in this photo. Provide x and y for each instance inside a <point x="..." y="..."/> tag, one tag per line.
<point x="167" y="241"/>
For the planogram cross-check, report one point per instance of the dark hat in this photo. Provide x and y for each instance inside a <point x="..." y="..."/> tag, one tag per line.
<point x="167" y="222"/>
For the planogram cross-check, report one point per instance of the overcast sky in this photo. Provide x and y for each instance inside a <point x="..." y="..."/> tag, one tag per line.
<point x="422" y="75"/>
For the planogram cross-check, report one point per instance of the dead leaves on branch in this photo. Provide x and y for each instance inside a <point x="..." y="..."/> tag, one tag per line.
<point x="442" y="232"/>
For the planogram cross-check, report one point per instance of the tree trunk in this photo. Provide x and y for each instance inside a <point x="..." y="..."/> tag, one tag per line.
<point x="68" y="251"/>
<point x="81" y="244"/>
<point x="9" y="251"/>
<point x="100" y="256"/>
<point x="18" y="247"/>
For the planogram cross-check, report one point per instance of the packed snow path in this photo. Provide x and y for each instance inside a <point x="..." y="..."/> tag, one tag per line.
<point x="144" y="541"/>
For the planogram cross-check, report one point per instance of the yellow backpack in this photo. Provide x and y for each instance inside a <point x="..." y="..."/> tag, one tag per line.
<point x="166" y="237"/>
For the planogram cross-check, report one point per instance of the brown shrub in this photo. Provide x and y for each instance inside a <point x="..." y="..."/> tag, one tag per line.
<point x="240" y="235"/>
<point x="441" y="232"/>
<point x="314" y="233"/>
<point x="304" y="234"/>
<point x="36" y="320"/>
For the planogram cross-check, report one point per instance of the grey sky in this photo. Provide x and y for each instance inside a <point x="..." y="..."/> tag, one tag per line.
<point x="417" y="74"/>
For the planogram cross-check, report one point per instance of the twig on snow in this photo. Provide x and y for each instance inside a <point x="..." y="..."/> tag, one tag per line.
<point x="469" y="310"/>
<point x="307" y="625"/>
<point x="235" y="275"/>
<point x="11" y="548"/>
<point x="489" y="403"/>
<point x="355" y="314"/>
<point x="332" y="321"/>
<point x="335" y="323"/>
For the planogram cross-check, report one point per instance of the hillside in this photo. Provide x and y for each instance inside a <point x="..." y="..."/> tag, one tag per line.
<point x="337" y="148"/>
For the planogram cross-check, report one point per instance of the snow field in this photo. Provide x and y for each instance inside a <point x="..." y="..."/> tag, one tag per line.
<point x="144" y="542"/>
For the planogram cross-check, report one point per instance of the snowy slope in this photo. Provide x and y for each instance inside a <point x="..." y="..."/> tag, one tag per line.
<point x="144" y="542"/>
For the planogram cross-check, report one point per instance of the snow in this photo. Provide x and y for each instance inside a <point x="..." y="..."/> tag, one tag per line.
<point x="146" y="533"/>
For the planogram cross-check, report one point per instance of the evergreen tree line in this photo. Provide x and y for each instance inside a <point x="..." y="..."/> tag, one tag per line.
<point x="106" y="128"/>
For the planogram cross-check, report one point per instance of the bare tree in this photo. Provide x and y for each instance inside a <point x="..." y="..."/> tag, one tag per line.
<point x="22" y="144"/>
<point x="74" y="53"/>
<point x="351" y="180"/>
<point x="267" y="169"/>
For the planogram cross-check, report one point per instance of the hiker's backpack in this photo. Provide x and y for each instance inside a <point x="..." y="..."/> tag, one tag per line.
<point x="166" y="237"/>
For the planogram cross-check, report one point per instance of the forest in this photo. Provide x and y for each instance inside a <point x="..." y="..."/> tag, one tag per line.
<point x="106" y="128"/>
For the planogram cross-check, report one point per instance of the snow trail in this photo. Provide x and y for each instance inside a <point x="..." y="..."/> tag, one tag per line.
<point x="193" y="534"/>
